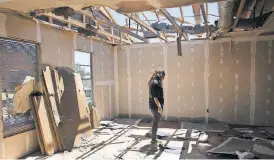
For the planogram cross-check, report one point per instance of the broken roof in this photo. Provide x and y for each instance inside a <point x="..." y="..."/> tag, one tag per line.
<point x="148" y="21"/>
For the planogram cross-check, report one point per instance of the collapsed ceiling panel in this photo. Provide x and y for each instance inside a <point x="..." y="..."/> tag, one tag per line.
<point x="126" y="6"/>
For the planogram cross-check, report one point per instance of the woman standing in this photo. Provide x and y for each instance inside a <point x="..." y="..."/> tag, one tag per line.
<point x="156" y="100"/>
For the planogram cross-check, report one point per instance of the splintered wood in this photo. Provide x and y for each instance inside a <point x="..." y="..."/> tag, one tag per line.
<point x="62" y="115"/>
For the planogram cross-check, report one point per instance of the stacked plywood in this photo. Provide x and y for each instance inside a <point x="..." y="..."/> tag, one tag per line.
<point x="61" y="113"/>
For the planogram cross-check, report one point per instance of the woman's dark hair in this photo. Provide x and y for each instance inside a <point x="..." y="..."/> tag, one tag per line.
<point x="157" y="74"/>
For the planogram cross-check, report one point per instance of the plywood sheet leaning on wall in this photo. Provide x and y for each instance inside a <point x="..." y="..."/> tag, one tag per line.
<point x="49" y="86"/>
<point x="21" y="96"/>
<point x="37" y="126"/>
<point x="75" y="127"/>
<point x="51" y="94"/>
<point x="48" y="135"/>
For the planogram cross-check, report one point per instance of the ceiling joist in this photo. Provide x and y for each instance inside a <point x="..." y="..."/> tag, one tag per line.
<point x="143" y="24"/>
<point x="173" y="22"/>
<point x="239" y="12"/>
<point x="107" y="13"/>
<point x="114" y="25"/>
<point x="82" y="25"/>
<point x="205" y="19"/>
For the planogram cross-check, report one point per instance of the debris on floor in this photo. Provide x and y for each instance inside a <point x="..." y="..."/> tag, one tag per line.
<point x="127" y="139"/>
<point x="160" y="134"/>
<point x="211" y="127"/>
<point x="245" y="155"/>
<point x="231" y="145"/>
<point x="203" y="137"/>
<point x="263" y="150"/>
<point x="127" y="121"/>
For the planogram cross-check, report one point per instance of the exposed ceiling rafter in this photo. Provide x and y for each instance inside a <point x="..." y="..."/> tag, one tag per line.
<point x="239" y="12"/>
<point x="158" y="18"/>
<point x="205" y="19"/>
<point x="107" y="13"/>
<point x="149" y="28"/>
<point x="114" y="25"/>
<point x="82" y="25"/>
<point x="173" y="22"/>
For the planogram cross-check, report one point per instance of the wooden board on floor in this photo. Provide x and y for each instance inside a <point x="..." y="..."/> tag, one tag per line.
<point x="47" y="133"/>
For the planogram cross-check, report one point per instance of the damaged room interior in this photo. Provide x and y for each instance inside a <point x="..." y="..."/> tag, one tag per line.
<point x="136" y="79"/>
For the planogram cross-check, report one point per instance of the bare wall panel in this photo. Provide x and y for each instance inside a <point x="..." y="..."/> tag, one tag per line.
<point x="264" y="72"/>
<point x="122" y="79"/>
<point x="229" y="82"/>
<point x="143" y="62"/>
<point x="56" y="47"/>
<point x="186" y="99"/>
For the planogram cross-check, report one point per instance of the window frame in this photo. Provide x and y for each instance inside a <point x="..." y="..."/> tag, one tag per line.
<point x="91" y="70"/>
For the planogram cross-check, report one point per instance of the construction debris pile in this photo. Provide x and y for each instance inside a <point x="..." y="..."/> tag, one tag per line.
<point x="62" y="116"/>
<point x="246" y="143"/>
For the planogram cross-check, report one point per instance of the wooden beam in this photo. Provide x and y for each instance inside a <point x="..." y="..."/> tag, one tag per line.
<point x="158" y="18"/>
<point x="63" y="19"/>
<point x="145" y="17"/>
<point x="79" y="24"/>
<point x="114" y="25"/>
<point x="103" y="32"/>
<point x="196" y="11"/>
<point x="205" y="19"/>
<point x="114" y="20"/>
<point x="182" y="13"/>
<point x="164" y="34"/>
<point x="239" y="12"/>
<point x="149" y="28"/>
<point x="173" y="22"/>
<point x="158" y="14"/>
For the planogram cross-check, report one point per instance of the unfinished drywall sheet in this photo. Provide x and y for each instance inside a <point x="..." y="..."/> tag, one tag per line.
<point x="103" y="59"/>
<point x="83" y="43"/>
<point x="186" y="96"/>
<point x="122" y="79"/>
<point x="143" y="62"/>
<point x="26" y="143"/>
<point x="56" y="47"/>
<point x="229" y="81"/>
<point x="264" y="83"/>
<point x="21" y="28"/>
<point x="3" y="19"/>
<point x="105" y="107"/>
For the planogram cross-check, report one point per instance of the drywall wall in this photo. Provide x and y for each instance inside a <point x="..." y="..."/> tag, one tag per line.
<point x="226" y="80"/>
<point x="57" y="49"/>
<point x="264" y="71"/>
